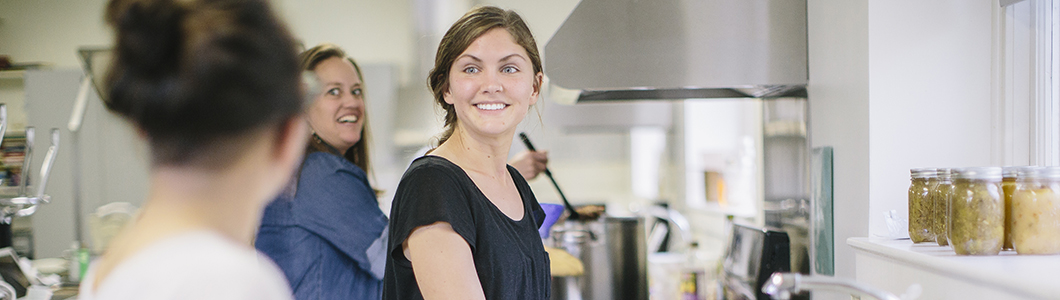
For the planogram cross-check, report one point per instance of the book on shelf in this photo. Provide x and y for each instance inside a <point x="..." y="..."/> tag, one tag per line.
<point x="12" y="155"/>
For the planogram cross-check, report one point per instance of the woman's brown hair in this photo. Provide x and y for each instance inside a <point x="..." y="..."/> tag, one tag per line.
<point x="358" y="154"/>
<point x="465" y="31"/>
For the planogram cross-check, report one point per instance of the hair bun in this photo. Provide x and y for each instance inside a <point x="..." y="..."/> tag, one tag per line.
<point x="151" y="33"/>
<point x="190" y="71"/>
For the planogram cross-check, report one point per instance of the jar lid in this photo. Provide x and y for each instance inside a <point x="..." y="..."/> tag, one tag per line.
<point x="1052" y="173"/>
<point x="1025" y="171"/>
<point x="944" y="173"/>
<point x="923" y="172"/>
<point x="989" y="173"/>
<point x="1009" y="172"/>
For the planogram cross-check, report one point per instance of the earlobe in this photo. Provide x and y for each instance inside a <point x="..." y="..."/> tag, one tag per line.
<point x="447" y="96"/>
<point x="538" y="80"/>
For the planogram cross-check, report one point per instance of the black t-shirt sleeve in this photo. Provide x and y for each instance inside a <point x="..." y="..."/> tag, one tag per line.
<point x="427" y="194"/>
<point x="539" y="214"/>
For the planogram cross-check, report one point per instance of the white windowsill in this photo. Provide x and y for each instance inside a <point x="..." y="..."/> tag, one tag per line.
<point x="1030" y="275"/>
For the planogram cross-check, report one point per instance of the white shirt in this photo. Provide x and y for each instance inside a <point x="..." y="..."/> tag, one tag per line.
<point x="194" y="265"/>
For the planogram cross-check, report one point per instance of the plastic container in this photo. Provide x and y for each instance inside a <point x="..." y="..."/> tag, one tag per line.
<point x="552" y="214"/>
<point x="1036" y="212"/>
<point x="922" y="181"/>
<point x="940" y="198"/>
<point x="977" y="211"/>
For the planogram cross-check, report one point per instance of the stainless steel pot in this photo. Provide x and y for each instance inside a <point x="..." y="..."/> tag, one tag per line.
<point x="614" y="251"/>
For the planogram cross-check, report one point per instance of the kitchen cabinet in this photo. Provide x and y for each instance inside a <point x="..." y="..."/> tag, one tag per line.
<point x="12" y="94"/>
<point x="895" y="265"/>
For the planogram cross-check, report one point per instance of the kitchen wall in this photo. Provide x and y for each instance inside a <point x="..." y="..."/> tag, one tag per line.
<point x="930" y="94"/>
<point x="839" y="112"/>
<point x="11" y="94"/>
<point x="896" y="85"/>
<point x="591" y="166"/>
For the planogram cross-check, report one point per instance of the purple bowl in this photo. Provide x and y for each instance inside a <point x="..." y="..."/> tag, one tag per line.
<point x="552" y="213"/>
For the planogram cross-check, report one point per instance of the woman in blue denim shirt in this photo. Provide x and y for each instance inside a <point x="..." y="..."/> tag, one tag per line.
<point x="327" y="232"/>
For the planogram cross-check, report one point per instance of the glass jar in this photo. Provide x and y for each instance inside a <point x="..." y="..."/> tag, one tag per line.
<point x="922" y="180"/>
<point x="1036" y="212"/>
<point x="977" y="211"/>
<point x="1008" y="186"/>
<point x="939" y="199"/>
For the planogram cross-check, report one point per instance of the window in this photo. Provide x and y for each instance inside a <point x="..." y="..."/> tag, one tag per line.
<point x="1027" y="86"/>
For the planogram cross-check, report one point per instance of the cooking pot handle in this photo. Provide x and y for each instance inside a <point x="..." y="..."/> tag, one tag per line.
<point x="592" y="236"/>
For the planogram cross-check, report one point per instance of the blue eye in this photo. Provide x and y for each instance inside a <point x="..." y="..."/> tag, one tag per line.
<point x="509" y="69"/>
<point x="356" y="92"/>
<point x="471" y="70"/>
<point x="334" y="92"/>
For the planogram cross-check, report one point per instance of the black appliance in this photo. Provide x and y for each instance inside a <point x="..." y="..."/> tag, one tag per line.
<point x="752" y="256"/>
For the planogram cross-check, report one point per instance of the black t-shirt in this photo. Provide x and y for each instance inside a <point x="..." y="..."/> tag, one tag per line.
<point x="510" y="260"/>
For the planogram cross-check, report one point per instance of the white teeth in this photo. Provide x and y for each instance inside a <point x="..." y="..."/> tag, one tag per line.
<point x="492" y="106"/>
<point x="348" y="119"/>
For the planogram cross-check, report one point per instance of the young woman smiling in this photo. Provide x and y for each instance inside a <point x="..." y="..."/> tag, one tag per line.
<point x="464" y="223"/>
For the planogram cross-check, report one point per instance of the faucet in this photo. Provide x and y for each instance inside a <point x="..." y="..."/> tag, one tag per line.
<point x="7" y="292"/>
<point x="672" y="216"/>
<point x="781" y="285"/>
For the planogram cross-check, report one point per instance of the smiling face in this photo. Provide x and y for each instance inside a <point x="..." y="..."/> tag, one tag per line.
<point x="492" y="85"/>
<point x="337" y="115"/>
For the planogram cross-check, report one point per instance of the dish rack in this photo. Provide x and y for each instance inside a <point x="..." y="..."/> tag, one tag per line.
<point x="23" y="203"/>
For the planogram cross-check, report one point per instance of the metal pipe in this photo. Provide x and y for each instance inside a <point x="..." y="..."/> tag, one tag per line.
<point x="3" y="127"/>
<point x="76" y="120"/>
<point x="49" y="161"/>
<point x="3" y="121"/>
<point x="782" y="285"/>
<point x="25" y="175"/>
<point x="75" y="170"/>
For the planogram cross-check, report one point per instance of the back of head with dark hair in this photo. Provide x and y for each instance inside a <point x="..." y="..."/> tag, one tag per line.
<point x="196" y="75"/>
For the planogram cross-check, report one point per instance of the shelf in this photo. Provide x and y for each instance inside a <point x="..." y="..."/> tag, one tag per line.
<point x="1031" y="276"/>
<point x="15" y="134"/>
<point x="8" y="191"/>
<point x="12" y="74"/>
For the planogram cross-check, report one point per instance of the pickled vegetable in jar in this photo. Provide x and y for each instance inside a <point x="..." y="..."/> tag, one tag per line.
<point x="977" y="211"/>
<point x="939" y="199"/>
<point x="920" y="209"/>
<point x="1008" y="186"/>
<point x="1036" y="212"/>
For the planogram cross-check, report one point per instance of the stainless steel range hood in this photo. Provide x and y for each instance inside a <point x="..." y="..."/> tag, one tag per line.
<point x="679" y="49"/>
